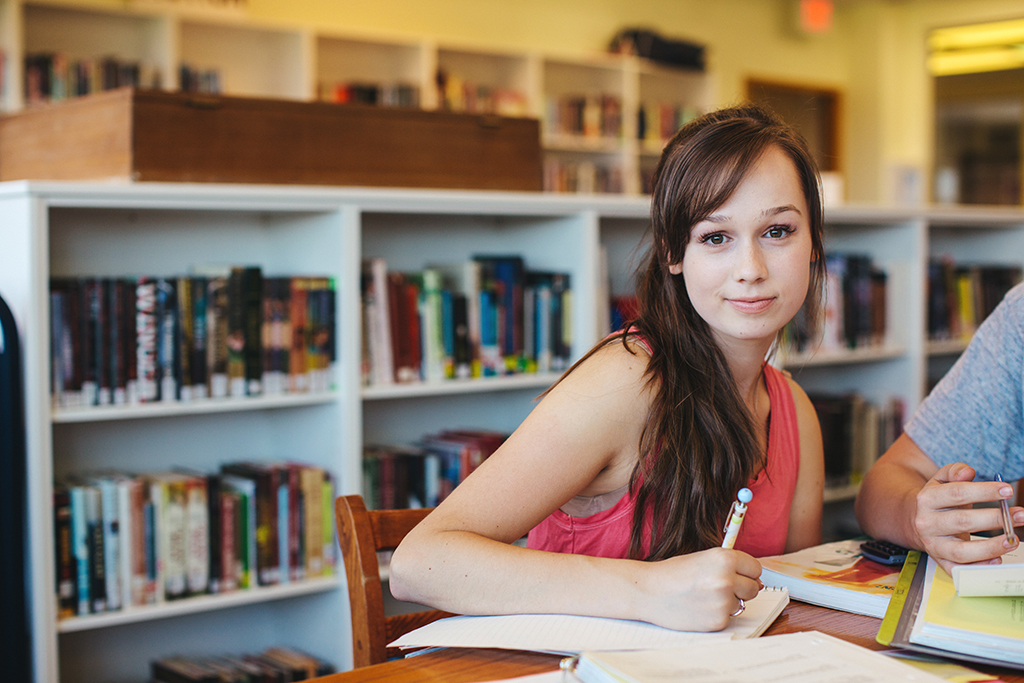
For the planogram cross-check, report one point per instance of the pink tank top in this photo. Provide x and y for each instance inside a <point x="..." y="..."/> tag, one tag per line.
<point x="606" y="533"/>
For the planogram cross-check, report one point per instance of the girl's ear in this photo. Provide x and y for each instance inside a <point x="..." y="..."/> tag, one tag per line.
<point x="676" y="268"/>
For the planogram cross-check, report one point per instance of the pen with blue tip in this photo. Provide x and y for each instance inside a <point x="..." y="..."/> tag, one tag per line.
<point x="736" y="515"/>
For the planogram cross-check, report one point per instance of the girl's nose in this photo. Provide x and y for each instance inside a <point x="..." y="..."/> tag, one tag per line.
<point x="751" y="265"/>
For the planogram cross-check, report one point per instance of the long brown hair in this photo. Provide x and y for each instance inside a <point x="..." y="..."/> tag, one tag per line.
<point x="699" y="445"/>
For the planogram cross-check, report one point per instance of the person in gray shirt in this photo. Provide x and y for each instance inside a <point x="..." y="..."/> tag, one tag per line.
<point x="922" y="492"/>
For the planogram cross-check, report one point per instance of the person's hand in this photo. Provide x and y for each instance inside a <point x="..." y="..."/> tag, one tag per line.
<point x="699" y="591"/>
<point x="946" y="517"/>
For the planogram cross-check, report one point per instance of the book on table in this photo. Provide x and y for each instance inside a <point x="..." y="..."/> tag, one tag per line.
<point x="571" y="634"/>
<point x="834" y="575"/>
<point x="926" y="615"/>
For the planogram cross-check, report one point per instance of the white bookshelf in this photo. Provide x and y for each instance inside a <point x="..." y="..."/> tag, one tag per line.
<point x="118" y="230"/>
<point x="101" y="229"/>
<point x="255" y="58"/>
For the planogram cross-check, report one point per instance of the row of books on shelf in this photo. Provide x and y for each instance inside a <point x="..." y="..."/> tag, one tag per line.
<point x="961" y="296"/>
<point x="854" y="311"/>
<point x="455" y="93"/>
<point x="232" y="333"/>
<point x="422" y="474"/>
<point x="55" y="76"/>
<point x="854" y="433"/>
<point x="592" y="116"/>
<point x="585" y="177"/>
<point x="659" y="121"/>
<point x="273" y="665"/>
<point x="486" y="316"/>
<point x="377" y="94"/>
<point x="128" y="540"/>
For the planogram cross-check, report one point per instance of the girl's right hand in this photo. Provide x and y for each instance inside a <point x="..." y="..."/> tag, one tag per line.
<point x="698" y="591"/>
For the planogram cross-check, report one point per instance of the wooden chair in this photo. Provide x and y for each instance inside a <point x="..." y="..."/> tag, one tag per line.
<point x="361" y="533"/>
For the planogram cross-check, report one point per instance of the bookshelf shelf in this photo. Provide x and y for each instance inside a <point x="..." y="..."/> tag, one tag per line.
<point x="195" y="605"/>
<point x="537" y="381"/>
<point x="194" y="407"/>
<point x="867" y="354"/>
<point x="946" y="347"/>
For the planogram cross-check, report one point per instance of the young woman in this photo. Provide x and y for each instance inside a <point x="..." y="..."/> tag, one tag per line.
<point x="624" y="473"/>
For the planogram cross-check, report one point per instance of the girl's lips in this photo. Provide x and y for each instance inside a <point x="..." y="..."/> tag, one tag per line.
<point x="751" y="305"/>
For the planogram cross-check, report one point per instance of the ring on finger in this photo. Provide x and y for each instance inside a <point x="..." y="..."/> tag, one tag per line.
<point x="739" y="611"/>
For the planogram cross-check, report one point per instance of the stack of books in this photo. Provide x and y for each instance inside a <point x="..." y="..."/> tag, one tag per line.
<point x="928" y="615"/>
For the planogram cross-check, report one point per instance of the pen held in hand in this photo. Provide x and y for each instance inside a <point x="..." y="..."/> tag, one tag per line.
<point x="736" y="514"/>
<point x="1004" y="507"/>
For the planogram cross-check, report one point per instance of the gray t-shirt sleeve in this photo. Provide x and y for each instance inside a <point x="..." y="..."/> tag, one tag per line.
<point x="975" y="414"/>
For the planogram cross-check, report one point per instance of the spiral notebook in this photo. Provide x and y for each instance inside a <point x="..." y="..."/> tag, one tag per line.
<point x="571" y="634"/>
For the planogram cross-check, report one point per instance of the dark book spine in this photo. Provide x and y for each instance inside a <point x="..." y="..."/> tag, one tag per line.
<point x="129" y="339"/>
<point x="267" y="357"/>
<point x="252" y="312"/>
<point x="64" y="554"/>
<point x="90" y="320"/>
<point x="118" y="350"/>
<point x="461" y="348"/>
<point x="200" y="339"/>
<point x="185" y="334"/>
<point x="214" y="527"/>
<point x="236" y="334"/>
<point x="97" y="557"/>
<point x="102" y="343"/>
<point x="297" y="356"/>
<point x="331" y="336"/>
<point x="57" y="359"/>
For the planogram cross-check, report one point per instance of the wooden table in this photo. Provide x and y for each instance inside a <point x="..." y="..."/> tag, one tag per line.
<point x="456" y="665"/>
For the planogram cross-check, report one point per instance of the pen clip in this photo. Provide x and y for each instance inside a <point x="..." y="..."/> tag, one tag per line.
<point x="728" y="517"/>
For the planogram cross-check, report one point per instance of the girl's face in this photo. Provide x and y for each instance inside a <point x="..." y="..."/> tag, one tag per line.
<point x="747" y="266"/>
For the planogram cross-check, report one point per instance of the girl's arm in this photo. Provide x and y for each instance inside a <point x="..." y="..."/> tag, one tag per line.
<point x="805" y="512"/>
<point x="582" y="438"/>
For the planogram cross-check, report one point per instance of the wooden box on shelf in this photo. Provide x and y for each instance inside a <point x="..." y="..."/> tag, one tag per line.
<point x="161" y="136"/>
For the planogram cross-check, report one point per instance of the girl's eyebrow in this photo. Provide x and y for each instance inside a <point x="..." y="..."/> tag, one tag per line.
<point x="767" y="213"/>
<point x="779" y="209"/>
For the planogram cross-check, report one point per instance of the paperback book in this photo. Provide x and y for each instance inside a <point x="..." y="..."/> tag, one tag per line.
<point x="833" y="575"/>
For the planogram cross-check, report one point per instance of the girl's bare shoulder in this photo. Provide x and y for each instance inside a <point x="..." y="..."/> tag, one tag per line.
<point x="612" y="366"/>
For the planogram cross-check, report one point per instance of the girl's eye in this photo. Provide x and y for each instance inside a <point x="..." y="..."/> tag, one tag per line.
<point x="715" y="238"/>
<point x="778" y="231"/>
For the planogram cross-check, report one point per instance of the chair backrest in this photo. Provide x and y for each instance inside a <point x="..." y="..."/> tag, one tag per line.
<point x="361" y="533"/>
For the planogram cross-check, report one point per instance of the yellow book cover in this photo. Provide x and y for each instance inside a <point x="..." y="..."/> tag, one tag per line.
<point x="1001" y="617"/>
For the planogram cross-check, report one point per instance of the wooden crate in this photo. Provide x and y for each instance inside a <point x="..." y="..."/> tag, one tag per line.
<point x="160" y="136"/>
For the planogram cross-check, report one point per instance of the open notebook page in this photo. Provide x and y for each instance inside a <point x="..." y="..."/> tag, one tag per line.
<point x="570" y="634"/>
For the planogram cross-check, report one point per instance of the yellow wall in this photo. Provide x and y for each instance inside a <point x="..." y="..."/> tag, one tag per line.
<point x="744" y="37"/>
